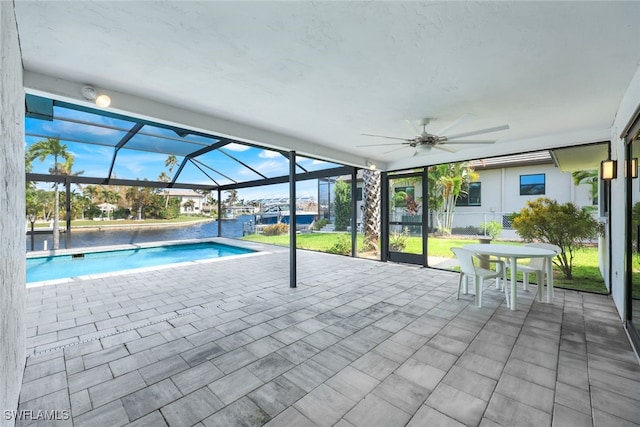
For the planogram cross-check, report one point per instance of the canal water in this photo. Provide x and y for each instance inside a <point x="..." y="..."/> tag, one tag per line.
<point x="118" y="236"/>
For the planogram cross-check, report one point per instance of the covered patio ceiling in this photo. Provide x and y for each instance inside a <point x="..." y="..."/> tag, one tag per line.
<point x="314" y="76"/>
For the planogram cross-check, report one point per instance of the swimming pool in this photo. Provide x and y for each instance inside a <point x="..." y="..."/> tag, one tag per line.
<point x="87" y="263"/>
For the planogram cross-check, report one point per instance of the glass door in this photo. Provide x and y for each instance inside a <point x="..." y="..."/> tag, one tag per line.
<point x="633" y="233"/>
<point x="405" y="217"/>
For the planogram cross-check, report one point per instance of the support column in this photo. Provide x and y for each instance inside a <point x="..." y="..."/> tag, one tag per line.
<point x="354" y="212"/>
<point x="67" y="232"/>
<point x="219" y="213"/>
<point x="425" y="222"/>
<point x="384" y="217"/>
<point x="292" y="221"/>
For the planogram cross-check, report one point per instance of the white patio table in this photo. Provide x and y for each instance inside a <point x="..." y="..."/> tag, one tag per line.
<point x="513" y="253"/>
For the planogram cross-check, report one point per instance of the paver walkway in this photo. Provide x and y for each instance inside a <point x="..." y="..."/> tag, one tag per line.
<point x="357" y="343"/>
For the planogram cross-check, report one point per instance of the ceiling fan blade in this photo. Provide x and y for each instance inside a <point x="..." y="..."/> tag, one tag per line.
<point x="458" y="122"/>
<point x="471" y="141"/>
<point x="478" y="132"/>
<point x="383" y="145"/>
<point x="395" y="149"/>
<point x="384" y="136"/>
<point x="413" y="127"/>
<point x="445" y="148"/>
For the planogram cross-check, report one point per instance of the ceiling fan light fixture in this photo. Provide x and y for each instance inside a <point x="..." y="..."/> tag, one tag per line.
<point x="424" y="148"/>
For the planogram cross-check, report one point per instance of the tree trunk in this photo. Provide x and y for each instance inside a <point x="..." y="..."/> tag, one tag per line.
<point x="371" y="215"/>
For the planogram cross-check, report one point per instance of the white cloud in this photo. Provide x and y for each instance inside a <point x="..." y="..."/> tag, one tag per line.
<point x="267" y="167"/>
<point x="236" y="147"/>
<point x="266" y="154"/>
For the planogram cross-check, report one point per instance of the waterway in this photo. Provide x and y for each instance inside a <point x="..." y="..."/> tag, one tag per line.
<point x="117" y="236"/>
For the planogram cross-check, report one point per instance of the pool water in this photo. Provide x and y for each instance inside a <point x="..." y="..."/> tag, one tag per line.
<point x="63" y="266"/>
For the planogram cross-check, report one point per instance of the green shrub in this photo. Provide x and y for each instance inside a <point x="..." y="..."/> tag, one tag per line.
<point x="317" y="225"/>
<point x="564" y="225"/>
<point x="275" y="229"/>
<point x="491" y="229"/>
<point x="342" y="205"/>
<point x="398" y="241"/>
<point x="342" y="246"/>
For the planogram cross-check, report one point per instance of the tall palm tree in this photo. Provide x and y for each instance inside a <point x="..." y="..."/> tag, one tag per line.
<point x="232" y="197"/>
<point x="446" y="183"/>
<point x="91" y="191"/>
<point x="163" y="177"/>
<point x="371" y="195"/>
<point x="587" y="177"/>
<point x="41" y="150"/>
<point x="171" y="162"/>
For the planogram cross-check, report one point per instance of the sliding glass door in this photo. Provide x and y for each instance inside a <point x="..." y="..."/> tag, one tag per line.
<point x="633" y="235"/>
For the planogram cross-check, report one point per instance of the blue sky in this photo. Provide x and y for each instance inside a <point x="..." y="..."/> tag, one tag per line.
<point x="92" y="138"/>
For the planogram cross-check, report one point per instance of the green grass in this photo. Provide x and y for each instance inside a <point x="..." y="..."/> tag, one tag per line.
<point x="586" y="273"/>
<point x="312" y="241"/>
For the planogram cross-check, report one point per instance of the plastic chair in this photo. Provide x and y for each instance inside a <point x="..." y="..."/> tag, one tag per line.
<point x="468" y="269"/>
<point x="536" y="266"/>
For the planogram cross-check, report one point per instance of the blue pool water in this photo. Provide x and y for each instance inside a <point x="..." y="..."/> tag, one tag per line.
<point x="62" y="266"/>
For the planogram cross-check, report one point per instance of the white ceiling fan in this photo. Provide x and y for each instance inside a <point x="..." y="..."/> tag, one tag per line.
<point x="425" y="141"/>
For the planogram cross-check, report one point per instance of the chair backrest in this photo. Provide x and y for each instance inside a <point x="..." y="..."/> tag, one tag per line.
<point x="539" y="262"/>
<point x="465" y="259"/>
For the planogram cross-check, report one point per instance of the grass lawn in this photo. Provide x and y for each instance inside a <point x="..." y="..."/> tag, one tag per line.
<point x="586" y="273"/>
<point x="312" y="241"/>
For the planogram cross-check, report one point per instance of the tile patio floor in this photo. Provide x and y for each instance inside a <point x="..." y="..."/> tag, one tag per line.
<point x="358" y="343"/>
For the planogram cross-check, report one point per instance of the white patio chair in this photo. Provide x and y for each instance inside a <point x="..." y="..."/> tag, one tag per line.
<point x="536" y="266"/>
<point x="468" y="269"/>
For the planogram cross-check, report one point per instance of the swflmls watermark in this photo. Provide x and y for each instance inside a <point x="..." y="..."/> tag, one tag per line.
<point x="31" y="415"/>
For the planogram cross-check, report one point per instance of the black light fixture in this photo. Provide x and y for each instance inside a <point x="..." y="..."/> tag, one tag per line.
<point x="608" y="169"/>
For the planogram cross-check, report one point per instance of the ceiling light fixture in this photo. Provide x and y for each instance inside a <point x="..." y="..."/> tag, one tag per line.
<point x="90" y="94"/>
<point x="370" y="165"/>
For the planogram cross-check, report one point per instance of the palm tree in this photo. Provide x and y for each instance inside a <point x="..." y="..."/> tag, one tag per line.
<point x="163" y="177"/>
<point x="91" y="191"/>
<point x="587" y="177"/>
<point x="171" y="162"/>
<point x="232" y="197"/>
<point x="446" y="183"/>
<point x="371" y="195"/>
<point x="41" y="150"/>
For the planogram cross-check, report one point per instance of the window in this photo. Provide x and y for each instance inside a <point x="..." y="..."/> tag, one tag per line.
<point x="532" y="185"/>
<point x="402" y="194"/>
<point x="471" y="197"/>
<point x="359" y="193"/>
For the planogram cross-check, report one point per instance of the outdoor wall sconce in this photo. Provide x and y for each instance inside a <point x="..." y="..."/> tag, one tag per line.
<point x="608" y="169"/>
<point x="632" y="168"/>
<point x="90" y="94"/>
<point x="370" y="165"/>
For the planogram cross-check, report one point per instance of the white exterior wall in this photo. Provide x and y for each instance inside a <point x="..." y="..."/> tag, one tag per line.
<point x="500" y="193"/>
<point x="12" y="215"/>
<point x="628" y="107"/>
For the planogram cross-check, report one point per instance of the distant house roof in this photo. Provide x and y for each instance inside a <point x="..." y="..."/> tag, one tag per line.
<point x="180" y="192"/>
<point x="526" y="159"/>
